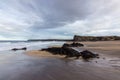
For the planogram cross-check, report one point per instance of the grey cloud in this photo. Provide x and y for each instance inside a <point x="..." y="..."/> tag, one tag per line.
<point x="28" y="18"/>
<point x="55" y="13"/>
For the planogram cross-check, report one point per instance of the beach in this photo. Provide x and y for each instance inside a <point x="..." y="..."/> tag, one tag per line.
<point x="105" y="68"/>
<point x="42" y="65"/>
<point x="108" y="48"/>
<point x="38" y="53"/>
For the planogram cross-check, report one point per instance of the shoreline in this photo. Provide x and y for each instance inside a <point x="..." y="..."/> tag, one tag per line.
<point x="108" y="51"/>
<point x="108" y="48"/>
<point x="108" y="54"/>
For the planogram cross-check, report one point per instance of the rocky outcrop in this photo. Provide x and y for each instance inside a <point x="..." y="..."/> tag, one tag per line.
<point x="73" y="45"/>
<point x="95" y="38"/>
<point x="67" y="49"/>
<point x="15" y="49"/>
<point x="54" y="50"/>
<point x="69" y="52"/>
<point x="87" y="54"/>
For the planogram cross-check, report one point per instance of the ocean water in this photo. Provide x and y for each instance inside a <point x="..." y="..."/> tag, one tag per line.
<point x="5" y="46"/>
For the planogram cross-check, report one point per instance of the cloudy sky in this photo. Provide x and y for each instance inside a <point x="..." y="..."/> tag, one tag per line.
<point x="33" y="19"/>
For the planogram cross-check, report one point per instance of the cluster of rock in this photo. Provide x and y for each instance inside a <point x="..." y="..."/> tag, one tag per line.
<point x="67" y="50"/>
<point x="87" y="54"/>
<point x="73" y="45"/>
<point x="15" y="49"/>
<point x="95" y="38"/>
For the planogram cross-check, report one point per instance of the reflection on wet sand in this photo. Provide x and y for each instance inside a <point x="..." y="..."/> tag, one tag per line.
<point x="23" y="67"/>
<point x="19" y="66"/>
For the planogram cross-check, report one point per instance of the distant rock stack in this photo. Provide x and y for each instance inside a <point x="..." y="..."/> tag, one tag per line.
<point x="95" y="38"/>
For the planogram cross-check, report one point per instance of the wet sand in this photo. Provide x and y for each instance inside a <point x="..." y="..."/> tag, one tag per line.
<point x="30" y="66"/>
<point x="109" y="48"/>
<point x="38" y="53"/>
<point x="34" y="68"/>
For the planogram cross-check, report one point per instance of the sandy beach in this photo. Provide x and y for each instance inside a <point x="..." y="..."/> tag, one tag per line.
<point x="38" y="53"/>
<point x="105" y="68"/>
<point x="108" y="48"/>
<point x="41" y="65"/>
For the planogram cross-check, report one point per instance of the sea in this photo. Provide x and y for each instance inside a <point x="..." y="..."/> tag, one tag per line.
<point x="35" y="45"/>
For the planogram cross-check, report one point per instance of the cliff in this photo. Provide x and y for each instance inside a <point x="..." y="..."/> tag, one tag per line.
<point x="96" y="38"/>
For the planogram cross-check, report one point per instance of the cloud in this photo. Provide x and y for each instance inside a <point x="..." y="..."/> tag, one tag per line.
<point x="24" y="19"/>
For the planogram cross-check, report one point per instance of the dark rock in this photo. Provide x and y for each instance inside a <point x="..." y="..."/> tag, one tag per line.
<point x="54" y="50"/>
<point x="24" y="48"/>
<point x="15" y="49"/>
<point x="67" y="50"/>
<point x="87" y="54"/>
<point x="73" y="45"/>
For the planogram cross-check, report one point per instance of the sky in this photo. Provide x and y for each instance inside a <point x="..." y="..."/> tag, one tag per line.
<point x="43" y="19"/>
